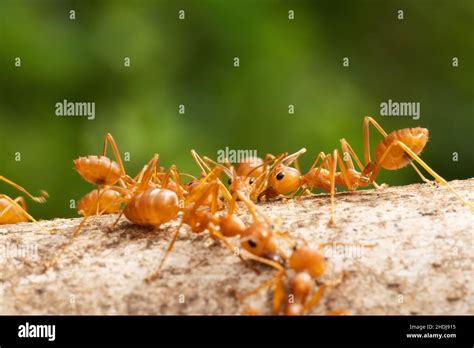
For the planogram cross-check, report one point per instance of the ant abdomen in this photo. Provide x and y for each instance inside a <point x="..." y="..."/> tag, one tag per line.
<point x="98" y="170"/>
<point x="104" y="201"/>
<point x="11" y="214"/>
<point x="152" y="207"/>
<point x="414" y="138"/>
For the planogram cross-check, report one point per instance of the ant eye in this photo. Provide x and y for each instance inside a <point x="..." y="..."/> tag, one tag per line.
<point x="252" y="243"/>
<point x="229" y="181"/>
<point x="280" y="176"/>
<point x="251" y="181"/>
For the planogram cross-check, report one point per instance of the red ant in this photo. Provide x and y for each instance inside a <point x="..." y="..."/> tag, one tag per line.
<point x="143" y="191"/>
<point x="293" y="289"/>
<point x="395" y="151"/>
<point x="258" y="238"/>
<point x="13" y="211"/>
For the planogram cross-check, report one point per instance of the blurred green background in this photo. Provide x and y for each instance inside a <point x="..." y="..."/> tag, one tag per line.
<point x="190" y="62"/>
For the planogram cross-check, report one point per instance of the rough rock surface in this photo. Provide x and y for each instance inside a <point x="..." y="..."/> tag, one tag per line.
<point x="421" y="264"/>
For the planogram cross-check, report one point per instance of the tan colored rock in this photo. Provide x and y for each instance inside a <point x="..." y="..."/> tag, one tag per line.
<point x="421" y="264"/>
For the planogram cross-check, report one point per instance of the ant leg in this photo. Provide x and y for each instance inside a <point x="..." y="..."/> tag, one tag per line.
<point x="269" y="157"/>
<point x="284" y="235"/>
<point x="226" y="167"/>
<point x="176" y="177"/>
<point x="200" y="162"/>
<point x="40" y="199"/>
<point x="313" y="301"/>
<point x="213" y="173"/>
<point x="61" y="251"/>
<point x="347" y="180"/>
<point x="151" y="277"/>
<point x="321" y="156"/>
<point x="232" y="204"/>
<point x="297" y="195"/>
<point x="278" y="294"/>
<point x="98" y="199"/>
<point x="347" y="149"/>
<point x="260" y="182"/>
<point x="252" y="208"/>
<point x="288" y="160"/>
<point x="252" y="292"/>
<point x="422" y="164"/>
<point x="118" y="199"/>
<point x="20" y="204"/>
<point x="148" y="173"/>
<point x="110" y="139"/>
<point x="216" y="234"/>
<point x="267" y="283"/>
<point x="369" y="120"/>
<point x="225" y="192"/>
<point x="202" y="195"/>
<point x="420" y="174"/>
<point x="214" y="199"/>
<point x="265" y="261"/>
<point x="101" y="212"/>
<point x="297" y="165"/>
<point x="112" y="226"/>
<point x="332" y="177"/>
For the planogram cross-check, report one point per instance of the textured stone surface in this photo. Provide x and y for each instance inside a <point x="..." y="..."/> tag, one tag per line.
<point x="421" y="264"/>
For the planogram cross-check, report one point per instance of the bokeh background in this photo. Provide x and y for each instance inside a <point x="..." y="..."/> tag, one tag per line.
<point x="190" y="62"/>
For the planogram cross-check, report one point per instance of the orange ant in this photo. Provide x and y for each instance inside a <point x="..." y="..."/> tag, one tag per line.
<point x="13" y="211"/>
<point x="395" y="151"/>
<point x="105" y="173"/>
<point x="98" y="202"/>
<point x="293" y="289"/>
<point x="249" y="176"/>
<point x="101" y="170"/>
<point x="258" y="238"/>
<point x="146" y="203"/>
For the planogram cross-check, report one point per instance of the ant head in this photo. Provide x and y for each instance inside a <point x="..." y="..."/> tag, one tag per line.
<point x="231" y="226"/>
<point x="191" y="184"/>
<point x="306" y="259"/>
<point x="284" y="180"/>
<point x="259" y="240"/>
<point x="240" y="183"/>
